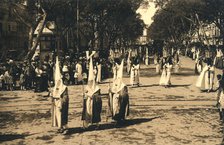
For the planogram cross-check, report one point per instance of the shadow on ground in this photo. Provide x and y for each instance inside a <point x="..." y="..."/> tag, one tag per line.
<point x="143" y="86"/>
<point x="10" y="137"/>
<point x="175" y="86"/>
<point x="110" y="125"/>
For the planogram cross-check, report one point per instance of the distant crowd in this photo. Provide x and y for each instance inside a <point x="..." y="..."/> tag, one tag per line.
<point x="37" y="75"/>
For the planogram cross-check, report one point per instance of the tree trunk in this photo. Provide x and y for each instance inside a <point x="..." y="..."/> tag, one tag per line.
<point x="30" y="38"/>
<point x="35" y="43"/>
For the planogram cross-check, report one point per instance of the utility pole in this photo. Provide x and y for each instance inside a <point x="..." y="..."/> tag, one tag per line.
<point x="77" y="23"/>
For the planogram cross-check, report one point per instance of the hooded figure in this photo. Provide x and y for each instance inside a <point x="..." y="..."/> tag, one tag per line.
<point x="205" y="80"/>
<point x="135" y="73"/>
<point x="118" y="102"/>
<point x="166" y="73"/>
<point x="129" y="62"/>
<point x="60" y="101"/>
<point x="92" y="103"/>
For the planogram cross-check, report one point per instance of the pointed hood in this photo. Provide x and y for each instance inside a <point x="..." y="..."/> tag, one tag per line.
<point x="118" y="82"/>
<point x="91" y="74"/>
<point x="59" y="87"/>
<point x="120" y="70"/>
<point x="91" y="87"/>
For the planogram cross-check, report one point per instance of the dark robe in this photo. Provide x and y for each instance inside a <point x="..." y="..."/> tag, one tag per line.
<point x="95" y="117"/>
<point x="123" y="103"/>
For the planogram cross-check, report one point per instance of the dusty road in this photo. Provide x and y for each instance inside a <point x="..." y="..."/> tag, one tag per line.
<point x="177" y="115"/>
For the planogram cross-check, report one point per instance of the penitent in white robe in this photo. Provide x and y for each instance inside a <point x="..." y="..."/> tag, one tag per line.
<point x="206" y="78"/>
<point x="98" y="78"/>
<point x="166" y="75"/>
<point x="135" y="74"/>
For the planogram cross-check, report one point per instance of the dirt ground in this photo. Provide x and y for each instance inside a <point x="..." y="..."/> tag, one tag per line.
<point x="181" y="114"/>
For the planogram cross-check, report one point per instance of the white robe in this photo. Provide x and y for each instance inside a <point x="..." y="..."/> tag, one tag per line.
<point x="56" y="113"/>
<point x="157" y="68"/>
<point x="177" y="67"/>
<point x="166" y="75"/>
<point x="134" y="77"/>
<point x="203" y="81"/>
<point x="163" y="77"/>
<point x="98" y="78"/>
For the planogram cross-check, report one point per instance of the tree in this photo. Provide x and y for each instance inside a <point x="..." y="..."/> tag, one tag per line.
<point x="112" y="21"/>
<point x="176" y="20"/>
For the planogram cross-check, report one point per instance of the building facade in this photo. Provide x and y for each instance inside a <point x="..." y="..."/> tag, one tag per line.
<point x="13" y="34"/>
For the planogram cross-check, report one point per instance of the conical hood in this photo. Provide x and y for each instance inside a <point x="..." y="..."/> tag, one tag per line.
<point x="118" y="82"/>
<point x="120" y="70"/>
<point x="59" y="87"/>
<point x="91" y="73"/>
<point x="91" y="87"/>
<point x="57" y="72"/>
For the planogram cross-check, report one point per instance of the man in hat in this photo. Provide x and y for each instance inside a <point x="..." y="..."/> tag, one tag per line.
<point x="92" y="103"/>
<point x="60" y="102"/>
<point x="118" y="102"/>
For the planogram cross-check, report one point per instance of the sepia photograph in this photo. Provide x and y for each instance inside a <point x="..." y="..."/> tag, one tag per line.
<point x="111" y="72"/>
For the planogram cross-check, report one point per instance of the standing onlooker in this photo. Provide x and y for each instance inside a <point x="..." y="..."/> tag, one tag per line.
<point x="79" y="72"/>
<point x="221" y="106"/>
<point x="218" y="61"/>
<point x="219" y="87"/>
<point x="22" y="81"/>
<point x="38" y="72"/>
<point x="45" y="76"/>
<point x="1" y="81"/>
<point x="7" y="80"/>
<point x="65" y="72"/>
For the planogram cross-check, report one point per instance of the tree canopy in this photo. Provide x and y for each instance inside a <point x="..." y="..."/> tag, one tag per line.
<point x="177" y="20"/>
<point x="115" y="22"/>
